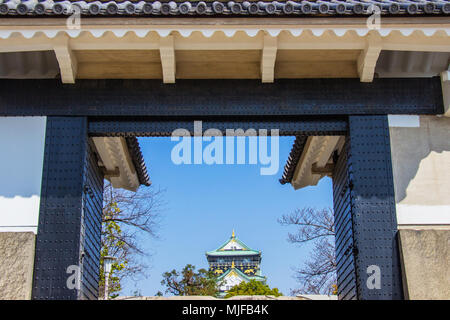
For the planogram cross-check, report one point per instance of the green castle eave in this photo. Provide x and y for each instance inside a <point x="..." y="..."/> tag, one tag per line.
<point x="233" y="253"/>
<point x="242" y="275"/>
<point x="246" y="251"/>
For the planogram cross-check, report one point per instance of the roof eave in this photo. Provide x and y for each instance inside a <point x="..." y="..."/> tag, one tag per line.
<point x="233" y="252"/>
<point x="309" y="160"/>
<point x="121" y="161"/>
<point x="225" y="9"/>
<point x="138" y="160"/>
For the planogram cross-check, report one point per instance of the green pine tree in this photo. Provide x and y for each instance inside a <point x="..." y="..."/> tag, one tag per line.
<point x="253" y="288"/>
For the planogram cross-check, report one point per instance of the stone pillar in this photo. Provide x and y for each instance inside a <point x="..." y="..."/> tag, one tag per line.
<point x="420" y="148"/>
<point x="425" y="263"/>
<point x="16" y="266"/>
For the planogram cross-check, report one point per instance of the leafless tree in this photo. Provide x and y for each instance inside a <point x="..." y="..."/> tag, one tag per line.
<point x="128" y="219"/>
<point x="318" y="274"/>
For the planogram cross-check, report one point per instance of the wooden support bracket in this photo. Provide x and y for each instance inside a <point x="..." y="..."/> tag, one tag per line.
<point x="66" y="58"/>
<point x="167" y="52"/>
<point x="268" y="57"/>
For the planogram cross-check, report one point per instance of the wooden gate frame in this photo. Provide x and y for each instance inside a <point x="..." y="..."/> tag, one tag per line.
<point x="71" y="197"/>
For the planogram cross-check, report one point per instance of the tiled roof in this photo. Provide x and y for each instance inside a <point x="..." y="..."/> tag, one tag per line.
<point x="138" y="160"/>
<point x="242" y="275"/>
<point x="225" y="8"/>
<point x="246" y="250"/>
<point x="293" y="159"/>
<point x="233" y="253"/>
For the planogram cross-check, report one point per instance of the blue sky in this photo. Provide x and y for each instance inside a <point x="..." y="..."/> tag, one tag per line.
<point x="206" y="202"/>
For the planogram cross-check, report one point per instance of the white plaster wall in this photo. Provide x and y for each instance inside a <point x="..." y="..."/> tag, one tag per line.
<point x="420" y="150"/>
<point x="232" y="245"/>
<point x="229" y="282"/>
<point x="22" y="142"/>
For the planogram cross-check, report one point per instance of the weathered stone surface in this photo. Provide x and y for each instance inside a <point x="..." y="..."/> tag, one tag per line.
<point x="16" y="265"/>
<point x="425" y="258"/>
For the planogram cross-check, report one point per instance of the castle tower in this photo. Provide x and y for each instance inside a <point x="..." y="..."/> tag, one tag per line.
<point x="234" y="262"/>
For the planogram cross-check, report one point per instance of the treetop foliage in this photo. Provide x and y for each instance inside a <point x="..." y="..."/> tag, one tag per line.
<point x="189" y="282"/>
<point x="253" y="288"/>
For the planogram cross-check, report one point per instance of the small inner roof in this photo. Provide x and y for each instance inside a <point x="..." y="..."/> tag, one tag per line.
<point x="138" y="160"/>
<point x="223" y="8"/>
<point x="241" y="275"/>
<point x="309" y="160"/>
<point x="121" y="161"/>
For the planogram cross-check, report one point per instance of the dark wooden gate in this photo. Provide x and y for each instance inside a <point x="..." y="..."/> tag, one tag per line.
<point x="68" y="239"/>
<point x="345" y="261"/>
<point x="71" y="196"/>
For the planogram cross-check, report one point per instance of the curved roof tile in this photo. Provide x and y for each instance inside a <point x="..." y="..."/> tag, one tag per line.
<point x="226" y="8"/>
<point x="138" y="160"/>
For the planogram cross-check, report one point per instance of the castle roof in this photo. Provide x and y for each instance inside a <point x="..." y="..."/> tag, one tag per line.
<point x="235" y="271"/>
<point x="180" y="8"/>
<point x="233" y="247"/>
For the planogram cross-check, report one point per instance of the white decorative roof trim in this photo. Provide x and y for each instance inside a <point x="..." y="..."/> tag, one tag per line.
<point x="317" y="152"/>
<point x="113" y="153"/>
<point x="208" y="32"/>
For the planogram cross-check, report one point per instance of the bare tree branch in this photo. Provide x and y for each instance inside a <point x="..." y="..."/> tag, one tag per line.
<point x="127" y="218"/>
<point x="318" y="274"/>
